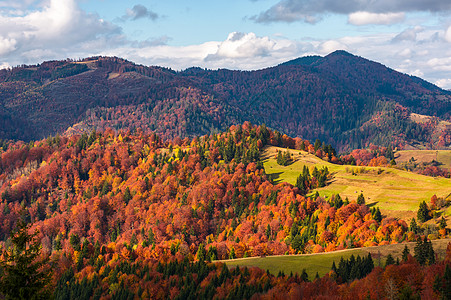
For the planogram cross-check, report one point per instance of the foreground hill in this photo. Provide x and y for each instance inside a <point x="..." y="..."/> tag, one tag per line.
<point x="343" y="99"/>
<point x="126" y="215"/>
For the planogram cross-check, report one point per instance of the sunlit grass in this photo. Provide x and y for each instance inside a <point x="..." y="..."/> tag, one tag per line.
<point x="396" y="192"/>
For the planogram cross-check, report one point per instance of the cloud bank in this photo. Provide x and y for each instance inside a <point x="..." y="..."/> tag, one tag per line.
<point x="54" y="30"/>
<point x="415" y="51"/>
<point x="311" y="11"/>
<point x="58" y="29"/>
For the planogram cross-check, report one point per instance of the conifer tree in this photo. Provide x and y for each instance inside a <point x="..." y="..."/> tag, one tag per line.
<point x="201" y="253"/>
<point x="390" y="260"/>
<point x="423" y="212"/>
<point x="413" y="226"/>
<point x="23" y="274"/>
<point x="361" y="199"/>
<point x="442" y="224"/>
<point x="378" y="215"/>
<point x="405" y="253"/>
<point x="304" y="276"/>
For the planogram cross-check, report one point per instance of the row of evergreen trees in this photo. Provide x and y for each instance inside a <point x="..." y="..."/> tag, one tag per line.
<point x="353" y="268"/>
<point x="317" y="179"/>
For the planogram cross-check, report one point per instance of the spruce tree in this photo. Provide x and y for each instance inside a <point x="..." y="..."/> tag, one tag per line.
<point x="413" y="226"/>
<point x="23" y="275"/>
<point x="360" y="199"/>
<point x="423" y="212"/>
<point x="390" y="260"/>
<point x="405" y="253"/>
<point x="378" y="215"/>
<point x="304" y="276"/>
<point x="442" y="224"/>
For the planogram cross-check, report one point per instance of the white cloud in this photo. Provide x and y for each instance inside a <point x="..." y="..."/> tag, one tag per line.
<point x="238" y="51"/>
<point x="54" y="29"/>
<point x="242" y="45"/>
<point x="444" y="83"/>
<point x="4" y="66"/>
<point x="448" y="34"/>
<point x="310" y="11"/>
<point x="330" y="46"/>
<point x="7" y="45"/>
<point x="409" y="34"/>
<point x="365" y="18"/>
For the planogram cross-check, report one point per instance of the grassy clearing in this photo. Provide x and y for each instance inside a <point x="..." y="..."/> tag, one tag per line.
<point x="396" y="192"/>
<point x="425" y="156"/>
<point x="322" y="262"/>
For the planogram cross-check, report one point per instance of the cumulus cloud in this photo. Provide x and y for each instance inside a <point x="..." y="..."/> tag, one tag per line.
<point x="365" y="18"/>
<point x="409" y="34"/>
<point x="241" y="45"/>
<point x="445" y="83"/>
<point x="56" y="28"/>
<point x="311" y="11"/>
<point x="448" y="34"/>
<point x="238" y="51"/>
<point x="327" y="47"/>
<point x="139" y="11"/>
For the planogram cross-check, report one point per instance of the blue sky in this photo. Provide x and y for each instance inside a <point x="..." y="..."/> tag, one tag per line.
<point x="411" y="36"/>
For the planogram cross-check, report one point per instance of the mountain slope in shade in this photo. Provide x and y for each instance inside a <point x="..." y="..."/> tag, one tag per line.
<point x="343" y="99"/>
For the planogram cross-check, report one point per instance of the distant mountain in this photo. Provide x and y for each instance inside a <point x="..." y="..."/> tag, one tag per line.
<point x="343" y="99"/>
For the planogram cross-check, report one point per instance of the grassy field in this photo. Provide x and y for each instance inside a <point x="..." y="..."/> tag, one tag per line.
<point x="426" y="156"/>
<point x="322" y="262"/>
<point x="396" y="192"/>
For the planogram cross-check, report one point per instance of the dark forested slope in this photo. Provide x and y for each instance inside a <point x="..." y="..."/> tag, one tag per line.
<point x="340" y="98"/>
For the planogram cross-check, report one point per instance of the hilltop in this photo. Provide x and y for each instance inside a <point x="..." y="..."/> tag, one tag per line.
<point x="345" y="100"/>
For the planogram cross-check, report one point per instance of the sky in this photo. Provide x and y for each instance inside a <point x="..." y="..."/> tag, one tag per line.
<point x="410" y="36"/>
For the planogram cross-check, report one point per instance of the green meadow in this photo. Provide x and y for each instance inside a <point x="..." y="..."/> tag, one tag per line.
<point x="322" y="262"/>
<point x="313" y="263"/>
<point x="396" y="192"/>
<point x="425" y="156"/>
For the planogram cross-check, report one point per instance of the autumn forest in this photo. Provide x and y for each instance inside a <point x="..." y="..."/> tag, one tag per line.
<point x="127" y="214"/>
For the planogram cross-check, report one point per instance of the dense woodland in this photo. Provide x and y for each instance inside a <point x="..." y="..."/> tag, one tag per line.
<point x="342" y="99"/>
<point x="128" y="213"/>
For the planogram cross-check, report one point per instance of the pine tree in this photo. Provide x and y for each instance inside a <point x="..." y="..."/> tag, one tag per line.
<point x="23" y="275"/>
<point x="405" y="253"/>
<point x="390" y="260"/>
<point x="423" y="212"/>
<point x="442" y="224"/>
<point x="201" y="253"/>
<point x="361" y="199"/>
<point x="413" y="226"/>
<point x="378" y="215"/>
<point x="304" y="276"/>
<point x="232" y="254"/>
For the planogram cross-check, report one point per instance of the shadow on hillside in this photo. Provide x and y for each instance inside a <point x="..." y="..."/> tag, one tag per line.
<point x="372" y="204"/>
<point x="275" y="177"/>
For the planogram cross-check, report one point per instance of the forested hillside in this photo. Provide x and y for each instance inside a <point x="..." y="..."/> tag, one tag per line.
<point x="342" y="99"/>
<point x="129" y="213"/>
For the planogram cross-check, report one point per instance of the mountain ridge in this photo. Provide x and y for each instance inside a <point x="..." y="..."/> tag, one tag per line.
<point x="296" y="97"/>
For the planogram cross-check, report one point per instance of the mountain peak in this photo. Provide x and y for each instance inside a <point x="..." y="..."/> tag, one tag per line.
<point x="340" y="53"/>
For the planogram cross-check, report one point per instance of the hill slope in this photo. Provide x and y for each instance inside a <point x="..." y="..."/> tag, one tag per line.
<point x="342" y="99"/>
<point x="398" y="193"/>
